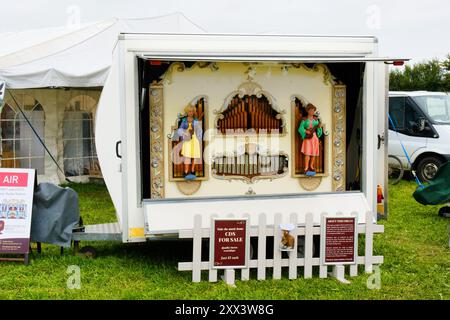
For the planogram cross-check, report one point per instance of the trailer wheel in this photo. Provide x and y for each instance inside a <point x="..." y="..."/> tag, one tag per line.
<point x="88" y="252"/>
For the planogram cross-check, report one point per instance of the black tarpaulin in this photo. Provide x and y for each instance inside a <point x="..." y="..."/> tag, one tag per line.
<point x="55" y="214"/>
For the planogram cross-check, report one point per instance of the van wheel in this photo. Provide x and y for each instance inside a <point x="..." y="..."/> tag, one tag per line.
<point x="427" y="168"/>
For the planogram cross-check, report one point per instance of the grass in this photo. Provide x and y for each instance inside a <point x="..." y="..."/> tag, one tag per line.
<point x="417" y="264"/>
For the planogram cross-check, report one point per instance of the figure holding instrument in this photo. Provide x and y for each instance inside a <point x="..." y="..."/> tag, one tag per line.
<point x="310" y="130"/>
<point x="191" y="132"/>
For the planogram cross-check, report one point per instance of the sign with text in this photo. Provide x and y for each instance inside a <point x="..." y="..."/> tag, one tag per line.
<point x="16" y="203"/>
<point x="229" y="243"/>
<point x="340" y="242"/>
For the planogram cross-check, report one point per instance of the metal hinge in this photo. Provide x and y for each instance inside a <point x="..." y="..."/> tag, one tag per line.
<point x="380" y="140"/>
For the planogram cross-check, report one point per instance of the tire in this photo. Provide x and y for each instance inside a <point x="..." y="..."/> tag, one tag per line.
<point x="395" y="170"/>
<point x="427" y="168"/>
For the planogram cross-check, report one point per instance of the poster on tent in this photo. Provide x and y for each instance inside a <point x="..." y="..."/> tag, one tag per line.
<point x="16" y="202"/>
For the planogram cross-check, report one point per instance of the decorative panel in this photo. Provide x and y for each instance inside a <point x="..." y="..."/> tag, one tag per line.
<point x="339" y="139"/>
<point x="156" y="142"/>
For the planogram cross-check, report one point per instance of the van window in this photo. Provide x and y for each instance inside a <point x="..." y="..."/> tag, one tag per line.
<point x="437" y="107"/>
<point x="397" y="113"/>
<point x="405" y="116"/>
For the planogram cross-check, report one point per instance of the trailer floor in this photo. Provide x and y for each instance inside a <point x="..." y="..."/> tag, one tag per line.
<point x="99" y="232"/>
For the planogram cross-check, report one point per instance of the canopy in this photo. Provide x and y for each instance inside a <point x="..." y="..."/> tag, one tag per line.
<point x="74" y="57"/>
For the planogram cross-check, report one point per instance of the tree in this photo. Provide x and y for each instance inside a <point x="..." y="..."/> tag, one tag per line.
<point x="432" y="75"/>
<point x="446" y="66"/>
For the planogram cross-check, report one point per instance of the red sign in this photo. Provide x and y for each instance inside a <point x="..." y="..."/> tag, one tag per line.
<point x="340" y="240"/>
<point x="229" y="243"/>
<point x="13" y="179"/>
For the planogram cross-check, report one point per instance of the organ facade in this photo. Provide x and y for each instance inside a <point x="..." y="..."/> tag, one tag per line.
<point x="249" y="115"/>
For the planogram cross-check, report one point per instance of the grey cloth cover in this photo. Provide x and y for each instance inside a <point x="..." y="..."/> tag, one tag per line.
<point x="55" y="214"/>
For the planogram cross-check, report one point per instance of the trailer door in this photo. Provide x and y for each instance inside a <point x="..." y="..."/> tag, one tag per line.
<point x="382" y="103"/>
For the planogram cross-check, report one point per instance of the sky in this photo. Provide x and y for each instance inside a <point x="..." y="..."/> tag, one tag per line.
<point x="415" y="29"/>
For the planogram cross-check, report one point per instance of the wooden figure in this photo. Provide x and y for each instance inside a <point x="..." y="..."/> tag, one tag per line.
<point x="310" y="130"/>
<point x="190" y="132"/>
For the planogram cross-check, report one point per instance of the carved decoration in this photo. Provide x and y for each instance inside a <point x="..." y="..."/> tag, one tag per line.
<point x="310" y="183"/>
<point x="156" y="142"/>
<point x="166" y="78"/>
<point x="328" y="78"/>
<point x="251" y="88"/>
<point x="248" y="170"/>
<point x="250" y="192"/>
<point x="338" y="138"/>
<point x="189" y="187"/>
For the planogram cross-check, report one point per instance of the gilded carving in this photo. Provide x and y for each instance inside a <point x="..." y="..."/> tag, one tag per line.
<point x="156" y="142"/>
<point x="339" y="139"/>
<point x="310" y="183"/>
<point x="188" y="188"/>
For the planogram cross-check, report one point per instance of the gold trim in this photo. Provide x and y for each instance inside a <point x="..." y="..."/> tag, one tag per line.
<point x="310" y="183"/>
<point x="166" y="78"/>
<point x="188" y="188"/>
<point x="204" y="142"/>
<point x="339" y="138"/>
<point x="156" y="141"/>
<point x="328" y="78"/>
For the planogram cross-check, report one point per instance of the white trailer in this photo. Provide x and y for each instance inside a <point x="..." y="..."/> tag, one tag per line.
<point x="343" y="76"/>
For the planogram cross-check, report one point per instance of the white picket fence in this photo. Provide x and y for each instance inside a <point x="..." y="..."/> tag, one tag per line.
<point x="261" y="263"/>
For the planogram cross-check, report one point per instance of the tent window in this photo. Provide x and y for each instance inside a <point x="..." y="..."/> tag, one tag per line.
<point x="79" y="154"/>
<point x="20" y="147"/>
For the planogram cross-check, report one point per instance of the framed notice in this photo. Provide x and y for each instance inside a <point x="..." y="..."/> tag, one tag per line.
<point x="339" y="243"/>
<point x="16" y="202"/>
<point x="230" y="243"/>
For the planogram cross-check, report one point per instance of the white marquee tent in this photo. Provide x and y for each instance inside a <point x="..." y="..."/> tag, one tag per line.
<point x="74" y="57"/>
<point x="56" y="76"/>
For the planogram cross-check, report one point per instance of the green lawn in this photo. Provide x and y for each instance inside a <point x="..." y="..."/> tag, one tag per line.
<point x="417" y="264"/>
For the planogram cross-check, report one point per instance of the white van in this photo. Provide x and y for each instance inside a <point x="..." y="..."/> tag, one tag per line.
<point x="421" y="121"/>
